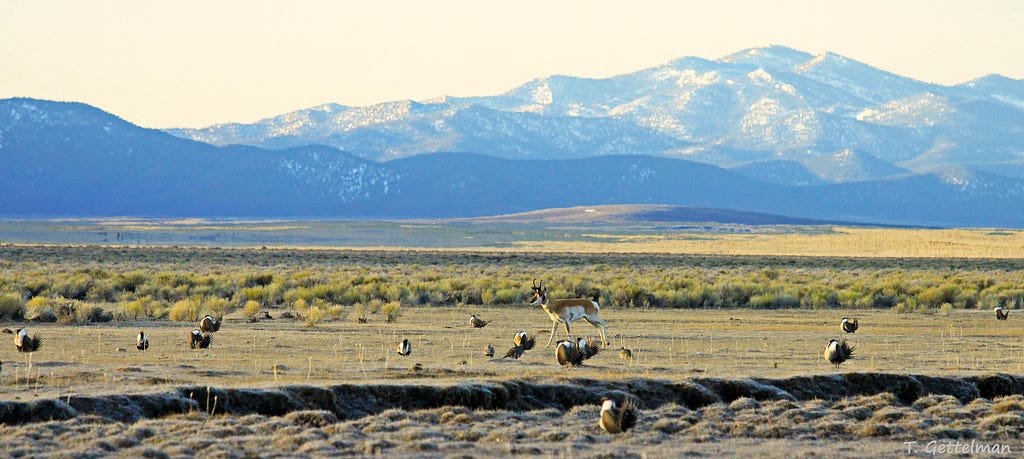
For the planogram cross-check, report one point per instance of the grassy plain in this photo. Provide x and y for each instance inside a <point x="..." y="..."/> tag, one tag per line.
<point x="556" y="236"/>
<point x="669" y="345"/>
<point x="666" y="344"/>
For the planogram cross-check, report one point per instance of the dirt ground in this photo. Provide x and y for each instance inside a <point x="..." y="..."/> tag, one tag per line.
<point x="79" y="365"/>
<point x="673" y="344"/>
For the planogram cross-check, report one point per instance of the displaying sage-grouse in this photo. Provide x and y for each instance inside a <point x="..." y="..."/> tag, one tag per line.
<point x="24" y="343"/>
<point x="850" y="326"/>
<point x="404" y="348"/>
<point x="617" y="416"/>
<point x="477" y="322"/>
<point x="141" y="341"/>
<point x="571" y="353"/>
<point x="489" y="350"/>
<point x="209" y="325"/>
<point x="521" y="342"/>
<point x="1000" y="314"/>
<point x="199" y="339"/>
<point x="837" y="352"/>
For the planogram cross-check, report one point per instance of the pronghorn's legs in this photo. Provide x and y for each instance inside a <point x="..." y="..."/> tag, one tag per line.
<point x="600" y="326"/>
<point x="554" y="328"/>
<point x="568" y="330"/>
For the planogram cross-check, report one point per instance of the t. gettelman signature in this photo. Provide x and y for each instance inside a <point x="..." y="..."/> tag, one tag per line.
<point x="956" y="447"/>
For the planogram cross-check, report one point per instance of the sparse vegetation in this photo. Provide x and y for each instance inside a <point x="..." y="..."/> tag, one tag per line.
<point x="154" y="283"/>
<point x="391" y="310"/>
<point x="185" y="310"/>
<point x="11" y="306"/>
<point x="689" y="319"/>
<point x="251" y="309"/>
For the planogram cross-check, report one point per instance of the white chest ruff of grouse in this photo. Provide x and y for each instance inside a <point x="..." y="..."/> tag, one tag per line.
<point x="199" y="339"/>
<point x="837" y="352"/>
<point x="208" y="324"/>
<point x="25" y="343"/>
<point x="141" y="341"/>
<point x="405" y="347"/>
<point x="618" y="417"/>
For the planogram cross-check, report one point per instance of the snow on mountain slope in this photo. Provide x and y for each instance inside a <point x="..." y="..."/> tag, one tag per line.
<point x="769" y="103"/>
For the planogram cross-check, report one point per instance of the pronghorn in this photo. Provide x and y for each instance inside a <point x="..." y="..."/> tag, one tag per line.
<point x="837" y="352"/>
<point x="477" y="322"/>
<point x="404" y="348"/>
<point x="1000" y="315"/>
<point x="24" y="343"/>
<point x="850" y="326"/>
<point x="208" y="324"/>
<point x="199" y="340"/>
<point x="617" y="417"/>
<point x="568" y="310"/>
<point x="141" y="341"/>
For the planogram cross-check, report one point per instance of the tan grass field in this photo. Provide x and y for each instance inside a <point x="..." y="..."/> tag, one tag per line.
<point x="670" y="345"/>
<point x="546" y="236"/>
<point x="795" y="241"/>
<point x="731" y="351"/>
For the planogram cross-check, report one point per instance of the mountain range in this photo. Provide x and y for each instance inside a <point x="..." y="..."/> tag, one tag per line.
<point x="769" y="130"/>
<point x="772" y="113"/>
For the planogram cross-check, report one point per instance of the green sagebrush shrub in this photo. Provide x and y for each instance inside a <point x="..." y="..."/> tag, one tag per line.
<point x="11" y="307"/>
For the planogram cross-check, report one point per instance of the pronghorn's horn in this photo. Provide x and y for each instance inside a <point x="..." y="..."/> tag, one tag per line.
<point x="535" y="284"/>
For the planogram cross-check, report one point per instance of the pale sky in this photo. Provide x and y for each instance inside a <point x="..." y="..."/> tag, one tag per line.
<point x="192" y="63"/>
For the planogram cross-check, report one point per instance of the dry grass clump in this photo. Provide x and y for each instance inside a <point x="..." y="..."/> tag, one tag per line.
<point x="312" y="418"/>
<point x="291" y="438"/>
<point x="935" y="401"/>
<point x="744" y="403"/>
<point x="671" y="418"/>
<point x="1010" y="403"/>
<point x="889" y="414"/>
<point x="877" y="430"/>
<point x="857" y="413"/>
<point x="455" y="431"/>
<point x="777" y="407"/>
<point x="457" y="415"/>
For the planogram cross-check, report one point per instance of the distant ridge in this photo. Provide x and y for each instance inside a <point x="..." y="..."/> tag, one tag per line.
<point x="620" y="214"/>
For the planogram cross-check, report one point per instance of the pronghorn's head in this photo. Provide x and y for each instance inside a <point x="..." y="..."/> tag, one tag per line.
<point x="539" y="295"/>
